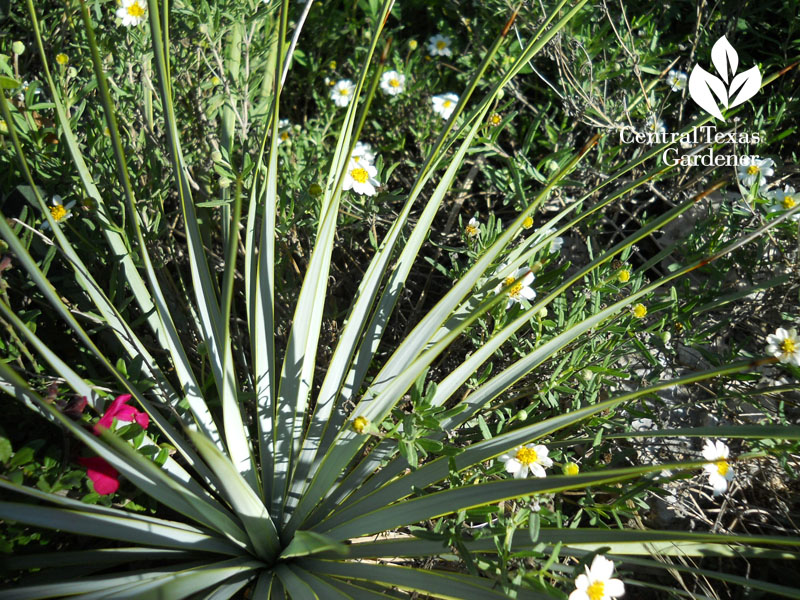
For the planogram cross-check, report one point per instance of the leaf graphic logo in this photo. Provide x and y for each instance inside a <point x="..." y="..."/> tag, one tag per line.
<point x="711" y="92"/>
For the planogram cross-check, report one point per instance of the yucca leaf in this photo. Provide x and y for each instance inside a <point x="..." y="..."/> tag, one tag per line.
<point x="459" y="376"/>
<point x="184" y="583"/>
<point x="127" y="528"/>
<point x="102" y="558"/>
<point x="622" y="542"/>
<point x="445" y="502"/>
<point x="439" y="468"/>
<point x="245" y="501"/>
<point x="297" y="372"/>
<point x="91" y="588"/>
<point x="357" y="592"/>
<point x="440" y="585"/>
<point x="206" y="294"/>
<point x="295" y="585"/>
<point x="305" y="543"/>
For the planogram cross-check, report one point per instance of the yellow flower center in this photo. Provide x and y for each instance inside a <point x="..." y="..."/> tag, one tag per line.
<point x="136" y="10"/>
<point x="344" y="92"/>
<point x="58" y="212"/>
<point x="360" y="424"/>
<point x="472" y="230"/>
<point x="527" y="223"/>
<point x="514" y="290"/>
<point x="440" y="45"/>
<point x="595" y="591"/>
<point x="722" y="467"/>
<point x="788" y="346"/>
<point x="360" y="175"/>
<point x="571" y="469"/>
<point x="527" y="456"/>
<point x="495" y="119"/>
<point x="639" y="311"/>
<point x="395" y="83"/>
<point x="62" y="59"/>
<point x="788" y="202"/>
<point x="284" y="135"/>
<point x="447" y="104"/>
<point x="624" y="276"/>
<point x="752" y="170"/>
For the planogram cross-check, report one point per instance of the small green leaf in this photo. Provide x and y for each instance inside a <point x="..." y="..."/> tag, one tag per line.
<point x="8" y="83"/>
<point x="5" y="447"/>
<point x="534" y="522"/>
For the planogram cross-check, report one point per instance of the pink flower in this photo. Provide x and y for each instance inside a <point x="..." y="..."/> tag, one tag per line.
<point x="103" y="475"/>
<point x="120" y="411"/>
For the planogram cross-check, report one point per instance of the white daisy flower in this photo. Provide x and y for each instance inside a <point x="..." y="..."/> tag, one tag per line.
<point x="756" y="172"/>
<point x="527" y="458"/>
<point x="444" y="104"/>
<point x="342" y="92"/>
<point x="555" y="243"/>
<point x="785" y="346"/>
<point x="676" y="80"/>
<point x="393" y="83"/>
<point x="360" y="178"/>
<point x="284" y="131"/>
<point x="520" y="290"/>
<point x="58" y="211"/>
<point x="363" y="153"/>
<point x="439" y="45"/>
<point x="719" y="471"/>
<point x="785" y="199"/>
<point x="473" y="228"/>
<point x="131" y="12"/>
<point x="597" y="583"/>
<point x="654" y="125"/>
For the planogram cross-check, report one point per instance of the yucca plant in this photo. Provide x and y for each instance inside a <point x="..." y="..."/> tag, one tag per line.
<point x="278" y="480"/>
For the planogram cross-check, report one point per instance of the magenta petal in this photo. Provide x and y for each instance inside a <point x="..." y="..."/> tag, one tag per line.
<point x="103" y="475"/>
<point x="126" y="413"/>
<point x="143" y="419"/>
<point x="118" y="410"/>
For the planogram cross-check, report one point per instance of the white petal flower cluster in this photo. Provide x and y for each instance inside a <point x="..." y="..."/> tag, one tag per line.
<point x="444" y="104"/>
<point x="555" y="243"/>
<point x="519" y="291"/>
<point x="655" y="125"/>
<point x="719" y="470"/>
<point x="59" y="211"/>
<point x="361" y="173"/>
<point x="473" y="228"/>
<point x="284" y="131"/>
<point x="785" y="346"/>
<point x="393" y="83"/>
<point x="756" y="172"/>
<point x="131" y="12"/>
<point x="597" y="583"/>
<point x="676" y="80"/>
<point x="342" y="92"/>
<point x="783" y="200"/>
<point x="439" y="45"/>
<point x="530" y="458"/>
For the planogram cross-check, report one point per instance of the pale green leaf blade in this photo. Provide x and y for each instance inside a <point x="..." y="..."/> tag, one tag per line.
<point x="244" y="500"/>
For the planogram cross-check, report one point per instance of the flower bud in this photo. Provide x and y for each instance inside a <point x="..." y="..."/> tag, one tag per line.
<point x="360" y="424"/>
